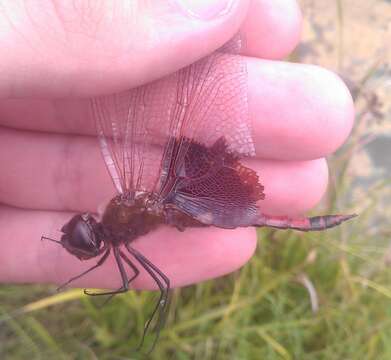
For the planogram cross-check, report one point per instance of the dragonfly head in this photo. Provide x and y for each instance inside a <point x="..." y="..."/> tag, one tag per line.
<point x="81" y="237"/>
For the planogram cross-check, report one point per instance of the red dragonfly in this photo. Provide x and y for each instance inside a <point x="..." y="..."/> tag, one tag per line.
<point x="173" y="151"/>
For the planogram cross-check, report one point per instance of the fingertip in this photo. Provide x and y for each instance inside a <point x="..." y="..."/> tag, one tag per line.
<point x="272" y="29"/>
<point x="298" y="111"/>
<point x="238" y="246"/>
<point x="293" y="187"/>
<point x="338" y="101"/>
<point x="332" y="104"/>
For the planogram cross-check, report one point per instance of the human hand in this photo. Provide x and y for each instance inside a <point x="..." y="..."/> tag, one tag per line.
<point x="51" y="164"/>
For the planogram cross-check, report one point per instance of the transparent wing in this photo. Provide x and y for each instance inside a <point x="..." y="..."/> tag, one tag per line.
<point x="214" y="92"/>
<point x="126" y="126"/>
<point x="211" y="102"/>
<point x="120" y="123"/>
<point x="203" y="101"/>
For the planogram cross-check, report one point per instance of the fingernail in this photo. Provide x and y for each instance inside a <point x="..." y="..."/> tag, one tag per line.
<point x="206" y="9"/>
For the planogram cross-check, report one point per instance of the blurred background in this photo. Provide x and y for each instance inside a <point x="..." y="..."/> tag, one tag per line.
<point x="302" y="296"/>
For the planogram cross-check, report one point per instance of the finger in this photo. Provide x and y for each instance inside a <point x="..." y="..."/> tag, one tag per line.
<point x="291" y="187"/>
<point x="297" y="111"/>
<point x="292" y="116"/>
<point x="103" y="47"/>
<point x="67" y="173"/>
<point x="71" y="47"/>
<point x="185" y="257"/>
<point x="271" y="29"/>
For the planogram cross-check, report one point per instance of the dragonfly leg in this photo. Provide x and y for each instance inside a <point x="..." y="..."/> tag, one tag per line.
<point x="99" y="263"/>
<point x="162" y="305"/>
<point x="124" y="277"/>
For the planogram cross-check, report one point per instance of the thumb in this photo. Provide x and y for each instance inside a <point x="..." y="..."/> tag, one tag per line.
<point x="84" y="48"/>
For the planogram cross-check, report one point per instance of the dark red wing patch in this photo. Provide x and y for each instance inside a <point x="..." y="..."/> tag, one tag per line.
<point x="212" y="186"/>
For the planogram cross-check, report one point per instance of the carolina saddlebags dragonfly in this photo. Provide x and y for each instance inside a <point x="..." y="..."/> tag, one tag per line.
<point x="173" y="150"/>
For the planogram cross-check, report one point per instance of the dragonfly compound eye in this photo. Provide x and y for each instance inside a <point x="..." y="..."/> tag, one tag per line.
<point x="81" y="237"/>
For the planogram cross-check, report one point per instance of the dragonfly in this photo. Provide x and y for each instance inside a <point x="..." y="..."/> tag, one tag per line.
<point x="173" y="149"/>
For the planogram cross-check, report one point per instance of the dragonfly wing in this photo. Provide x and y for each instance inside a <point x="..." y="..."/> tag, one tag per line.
<point x="211" y="102"/>
<point x="122" y="123"/>
<point x="205" y="101"/>
<point x="214" y="188"/>
<point x="107" y="151"/>
<point x="209" y="130"/>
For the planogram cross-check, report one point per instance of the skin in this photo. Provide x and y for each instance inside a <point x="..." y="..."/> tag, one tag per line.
<point x="52" y="55"/>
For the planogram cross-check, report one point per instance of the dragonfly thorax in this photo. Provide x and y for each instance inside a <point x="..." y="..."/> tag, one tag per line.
<point x="126" y="218"/>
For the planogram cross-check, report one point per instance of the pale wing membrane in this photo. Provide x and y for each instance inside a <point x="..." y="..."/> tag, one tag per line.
<point x="203" y="101"/>
<point x="122" y="122"/>
<point x="211" y="102"/>
<point x="209" y="131"/>
<point x="105" y="142"/>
